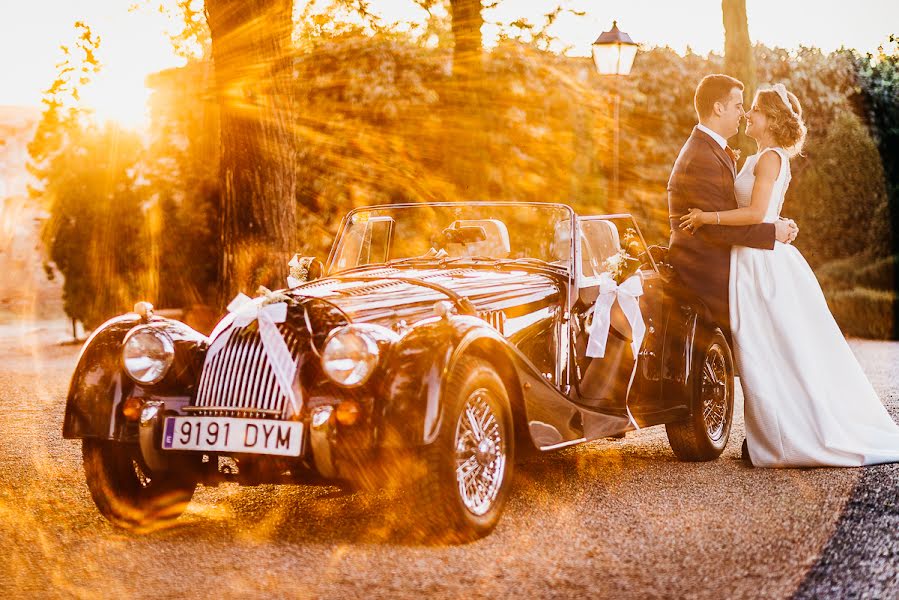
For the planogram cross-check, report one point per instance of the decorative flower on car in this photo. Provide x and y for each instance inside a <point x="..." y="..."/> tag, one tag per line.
<point x="626" y="261"/>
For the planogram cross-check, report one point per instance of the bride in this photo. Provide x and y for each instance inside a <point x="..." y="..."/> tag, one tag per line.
<point x="808" y="402"/>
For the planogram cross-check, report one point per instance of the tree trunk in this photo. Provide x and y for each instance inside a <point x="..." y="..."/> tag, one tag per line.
<point x="251" y="40"/>
<point x="465" y="149"/>
<point x="467" y="48"/>
<point x="739" y="60"/>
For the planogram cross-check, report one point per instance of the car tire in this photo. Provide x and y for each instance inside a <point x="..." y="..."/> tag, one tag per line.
<point x="704" y="435"/>
<point x="125" y="491"/>
<point x="476" y="436"/>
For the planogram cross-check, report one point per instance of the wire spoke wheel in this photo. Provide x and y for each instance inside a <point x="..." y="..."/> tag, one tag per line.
<point x="467" y="470"/>
<point x="704" y="434"/>
<point x="480" y="453"/>
<point x="715" y="396"/>
<point x="126" y="492"/>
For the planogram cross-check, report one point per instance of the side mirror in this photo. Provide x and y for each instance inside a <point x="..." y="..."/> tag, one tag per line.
<point x="659" y="256"/>
<point x="303" y="269"/>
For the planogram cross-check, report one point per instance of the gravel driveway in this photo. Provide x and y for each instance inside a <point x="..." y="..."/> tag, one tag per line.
<point x="617" y="519"/>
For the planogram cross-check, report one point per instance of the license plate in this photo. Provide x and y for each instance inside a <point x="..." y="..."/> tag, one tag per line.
<point x="228" y="434"/>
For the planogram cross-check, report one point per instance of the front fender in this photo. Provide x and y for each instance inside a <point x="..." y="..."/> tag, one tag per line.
<point x="412" y="395"/>
<point x="413" y="406"/>
<point x="99" y="384"/>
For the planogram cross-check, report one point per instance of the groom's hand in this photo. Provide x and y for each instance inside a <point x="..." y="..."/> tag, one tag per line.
<point x="785" y="230"/>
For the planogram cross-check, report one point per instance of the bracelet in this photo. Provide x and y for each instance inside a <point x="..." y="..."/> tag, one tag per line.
<point x="717" y="218"/>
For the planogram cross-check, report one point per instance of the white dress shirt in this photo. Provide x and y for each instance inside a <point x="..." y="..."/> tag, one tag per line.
<point x="715" y="136"/>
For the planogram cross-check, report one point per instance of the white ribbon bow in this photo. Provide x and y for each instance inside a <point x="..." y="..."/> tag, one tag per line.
<point x="245" y="310"/>
<point x="627" y="294"/>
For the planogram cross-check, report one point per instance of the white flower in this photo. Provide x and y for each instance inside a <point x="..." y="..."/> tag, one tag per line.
<point x="616" y="264"/>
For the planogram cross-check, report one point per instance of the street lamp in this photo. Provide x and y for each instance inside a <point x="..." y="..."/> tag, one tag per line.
<point x="613" y="54"/>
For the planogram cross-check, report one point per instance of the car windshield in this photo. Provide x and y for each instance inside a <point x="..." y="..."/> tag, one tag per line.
<point x="527" y="233"/>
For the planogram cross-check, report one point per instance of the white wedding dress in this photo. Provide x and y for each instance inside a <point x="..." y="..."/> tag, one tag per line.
<point x="807" y="400"/>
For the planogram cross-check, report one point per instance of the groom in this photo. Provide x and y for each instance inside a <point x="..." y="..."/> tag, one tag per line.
<point x="703" y="177"/>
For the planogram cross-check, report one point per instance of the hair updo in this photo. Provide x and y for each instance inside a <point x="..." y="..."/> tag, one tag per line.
<point x="786" y="127"/>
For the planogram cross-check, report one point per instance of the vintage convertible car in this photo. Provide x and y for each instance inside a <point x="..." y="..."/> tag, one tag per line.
<point x="438" y="343"/>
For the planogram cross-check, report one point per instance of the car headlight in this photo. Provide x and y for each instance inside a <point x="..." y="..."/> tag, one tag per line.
<point x="147" y="354"/>
<point x="350" y="356"/>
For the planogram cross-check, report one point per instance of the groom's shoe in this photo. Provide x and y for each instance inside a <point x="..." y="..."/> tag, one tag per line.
<point x="744" y="451"/>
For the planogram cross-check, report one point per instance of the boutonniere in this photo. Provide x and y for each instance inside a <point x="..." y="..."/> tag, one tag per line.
<point x="736" y="152"/>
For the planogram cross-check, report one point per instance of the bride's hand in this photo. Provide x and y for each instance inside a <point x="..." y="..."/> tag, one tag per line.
<point x="693" y="220"/>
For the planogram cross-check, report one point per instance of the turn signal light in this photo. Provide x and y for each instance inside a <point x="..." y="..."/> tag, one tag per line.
<point x="348" y="412"/>
<point x="131" y="409"/>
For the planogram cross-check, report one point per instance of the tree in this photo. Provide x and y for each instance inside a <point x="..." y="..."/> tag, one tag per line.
<point x="739" y="61"/>
<point x="63" y="116"/>
<point x="840" y="198"/>
<point x="879" y="88"/>
<point x="466" y="152"/>
<point x="87" y="180"/>
<point x="189" y="33"/>
<point x="879" y="79"/>
<point x="96" y="233"/>
<point x="183" y="174"/>
<point x="467" y="20"/>
<point x="251" y="40"/>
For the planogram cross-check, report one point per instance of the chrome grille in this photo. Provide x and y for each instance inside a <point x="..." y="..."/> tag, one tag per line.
<point x="239" y="379"/>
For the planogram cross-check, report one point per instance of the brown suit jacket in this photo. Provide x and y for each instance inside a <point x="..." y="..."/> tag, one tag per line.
<point x="703" y="177"/>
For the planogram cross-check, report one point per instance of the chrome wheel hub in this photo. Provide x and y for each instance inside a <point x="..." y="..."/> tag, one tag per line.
<point x="715" y="396"/>
<point x="486" y="452"/>
<point x="480" y="453"/>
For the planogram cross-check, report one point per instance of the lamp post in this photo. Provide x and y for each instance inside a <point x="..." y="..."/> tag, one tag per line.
<point x="613" y="54"/>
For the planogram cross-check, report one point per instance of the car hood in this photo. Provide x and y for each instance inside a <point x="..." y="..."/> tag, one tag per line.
<point x="389" y="295"/>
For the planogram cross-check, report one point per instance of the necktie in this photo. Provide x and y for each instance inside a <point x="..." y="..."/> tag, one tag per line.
<point x="731" y="154"/>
